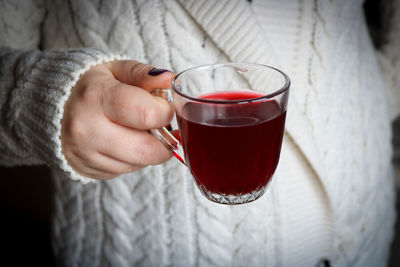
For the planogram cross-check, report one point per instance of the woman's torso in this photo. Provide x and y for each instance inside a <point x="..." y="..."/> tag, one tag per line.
<point x="335" y="161"/>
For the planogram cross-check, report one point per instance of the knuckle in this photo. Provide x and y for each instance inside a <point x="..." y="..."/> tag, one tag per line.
<point x="117" y="102"/>
<point x="152" y="153"/>
<point x="76" y="129"/>
<point x="147" y="153"/>
<point x="144" y="158"/>
<point x="102" y="88"/>
<point x="90" y="94"/>
<point x="147" y="115"/>
<point x="135" y="71"/>
<point x="116" y="97"/>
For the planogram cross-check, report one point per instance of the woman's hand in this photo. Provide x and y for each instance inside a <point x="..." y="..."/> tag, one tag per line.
<point x="107" y="115"/>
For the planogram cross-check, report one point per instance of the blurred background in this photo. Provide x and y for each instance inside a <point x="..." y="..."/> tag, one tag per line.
<point x="25" y="205"/>
<point x="26" y="197"/>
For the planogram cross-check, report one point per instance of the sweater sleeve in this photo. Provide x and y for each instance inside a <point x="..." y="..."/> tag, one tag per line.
<point x="34" y="87"/>
<point x="389" y="55"/>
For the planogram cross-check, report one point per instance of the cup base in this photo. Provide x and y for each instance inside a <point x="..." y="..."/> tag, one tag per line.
<point x="232" y="199"/>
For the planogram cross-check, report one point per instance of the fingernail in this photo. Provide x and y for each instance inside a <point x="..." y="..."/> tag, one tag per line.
<point x="155" y="71"/>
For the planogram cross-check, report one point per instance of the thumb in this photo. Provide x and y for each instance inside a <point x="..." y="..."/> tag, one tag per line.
<point x="141" y="75"/>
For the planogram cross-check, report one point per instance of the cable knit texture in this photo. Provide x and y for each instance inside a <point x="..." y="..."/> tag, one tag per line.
<point x="332" y="196"/>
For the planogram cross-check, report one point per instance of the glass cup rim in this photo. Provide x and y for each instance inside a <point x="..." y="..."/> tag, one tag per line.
<point x="277" y="92"/>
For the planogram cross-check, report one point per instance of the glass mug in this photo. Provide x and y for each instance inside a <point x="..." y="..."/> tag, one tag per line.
<point x="231" y="121"/>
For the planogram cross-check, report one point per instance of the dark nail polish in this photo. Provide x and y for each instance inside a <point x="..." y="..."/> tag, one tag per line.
<point x="155" y="71"/>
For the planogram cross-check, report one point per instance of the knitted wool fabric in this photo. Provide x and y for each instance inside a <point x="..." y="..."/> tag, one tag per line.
<point x="333" y="194"/>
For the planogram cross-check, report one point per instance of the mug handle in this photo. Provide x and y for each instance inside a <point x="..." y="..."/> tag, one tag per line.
<point x="163" y="135"/>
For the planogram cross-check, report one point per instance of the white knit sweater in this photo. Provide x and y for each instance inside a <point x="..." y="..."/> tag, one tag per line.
<point x="332" y="197"/>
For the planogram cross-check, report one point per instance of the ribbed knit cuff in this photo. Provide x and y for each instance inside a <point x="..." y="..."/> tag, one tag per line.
<point x="43" y="90"/>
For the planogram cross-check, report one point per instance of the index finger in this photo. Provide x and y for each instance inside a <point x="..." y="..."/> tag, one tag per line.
<point x="141" y="75"/>
<point x="136" y="108"/>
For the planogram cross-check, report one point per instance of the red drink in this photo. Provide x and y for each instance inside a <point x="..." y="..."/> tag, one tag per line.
<point x="232" y="149"/>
